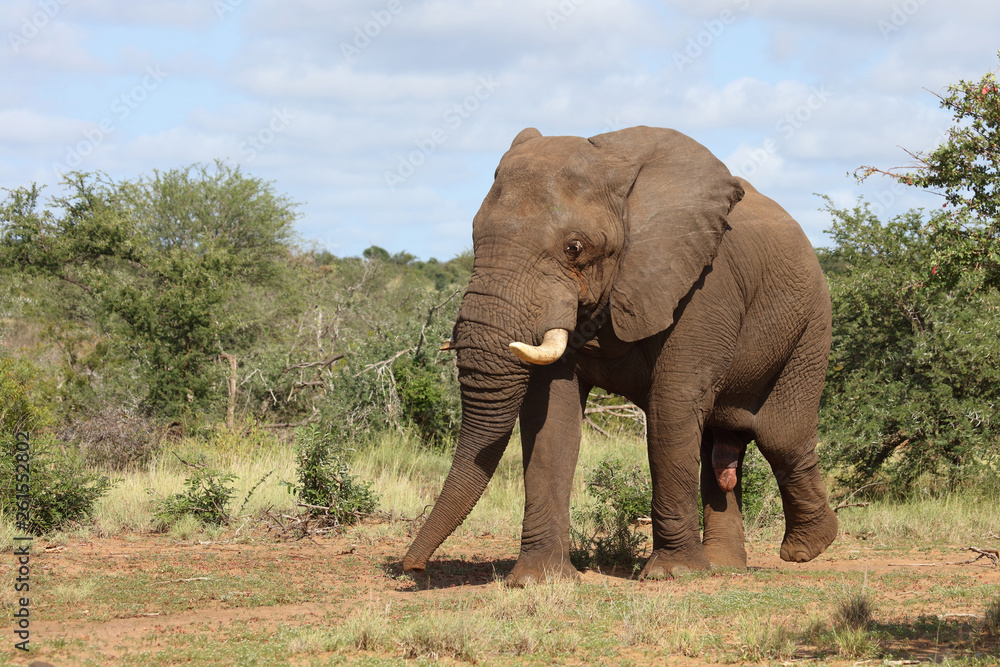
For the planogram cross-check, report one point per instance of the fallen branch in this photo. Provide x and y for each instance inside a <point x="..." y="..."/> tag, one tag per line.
<point x="992" y="554"/>
<point x="590" y="422"/>
<point x="846" y="505"/>
<point x="178" y="581"/>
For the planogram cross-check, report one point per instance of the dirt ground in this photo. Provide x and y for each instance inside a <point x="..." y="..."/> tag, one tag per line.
<point x="102" y="599"/>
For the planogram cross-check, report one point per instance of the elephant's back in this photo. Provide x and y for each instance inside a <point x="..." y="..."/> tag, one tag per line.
<point x="771" y="264"/>
<point x="771" y="254"/>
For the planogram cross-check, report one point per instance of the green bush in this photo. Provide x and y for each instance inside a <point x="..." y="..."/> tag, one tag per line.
<point x="206" y="496"/>
<point x="325" y="479"/>
<point x="912" y="387"/>
<point x="60" y="488"/>
<point x="761" y="505"/>
<point x="426" y="400"/>
<point x="605" y="533"/>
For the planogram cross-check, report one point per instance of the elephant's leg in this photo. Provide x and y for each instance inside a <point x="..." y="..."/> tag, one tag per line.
<point x="786" y="436"/>
<point x="722" y="454"/>
<point x="551" y="418"/>
<point x="674" y="438"/>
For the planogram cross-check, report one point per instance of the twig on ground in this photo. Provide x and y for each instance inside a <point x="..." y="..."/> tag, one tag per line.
<point x="992" y="554"/>
<point x="178" y="581"/>
<point x="846" y="505"/>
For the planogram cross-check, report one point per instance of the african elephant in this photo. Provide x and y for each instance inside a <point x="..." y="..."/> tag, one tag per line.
<point x="634" y="261"/>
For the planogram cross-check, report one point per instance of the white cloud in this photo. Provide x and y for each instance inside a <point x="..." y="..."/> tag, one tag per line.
<point x="565" y="66"/>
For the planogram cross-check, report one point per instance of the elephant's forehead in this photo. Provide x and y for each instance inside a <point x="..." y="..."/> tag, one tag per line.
<point x="547" y="179"/>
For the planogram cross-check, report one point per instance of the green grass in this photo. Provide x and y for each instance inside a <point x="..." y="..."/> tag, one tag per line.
<point x="762" y="616"/>
<point x="924" y="522"/>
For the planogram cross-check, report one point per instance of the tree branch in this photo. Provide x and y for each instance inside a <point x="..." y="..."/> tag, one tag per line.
<point x="312" y="364"/>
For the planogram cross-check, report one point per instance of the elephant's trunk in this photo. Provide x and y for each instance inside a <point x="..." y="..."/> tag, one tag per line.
<point x="494" y="383"/>
<point x="488" y="418"/>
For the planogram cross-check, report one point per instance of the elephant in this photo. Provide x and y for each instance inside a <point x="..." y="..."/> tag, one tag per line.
<point x="634" y="261"/>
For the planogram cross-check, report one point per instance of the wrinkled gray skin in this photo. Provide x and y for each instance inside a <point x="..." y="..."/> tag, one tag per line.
<point x="687" y="292"/>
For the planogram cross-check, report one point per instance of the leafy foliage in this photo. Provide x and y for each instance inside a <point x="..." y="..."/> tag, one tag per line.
<point x="965" y="168"/>
<point x="60" y="488"/>
<point x="165" y="264"/>
<point x="608" y="535"/>
<point x="182" y="297"/>
<point x="912" y="389"/>
<point x="325" y="479"/>
<point x="206" y="496"/>
<point x="760" y="501"/>
<point x="425" y="398"/>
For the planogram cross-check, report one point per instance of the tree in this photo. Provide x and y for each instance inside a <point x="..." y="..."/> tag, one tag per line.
<point x="965" y="169"/>
<point x="176" y="268"/>
<point x="913" y="391"/>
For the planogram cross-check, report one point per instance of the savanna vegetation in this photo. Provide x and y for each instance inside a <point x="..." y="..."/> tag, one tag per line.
<point x="186" y="366"/>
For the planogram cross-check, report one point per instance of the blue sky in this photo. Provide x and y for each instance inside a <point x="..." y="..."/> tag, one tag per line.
<point x="385" y="118"/>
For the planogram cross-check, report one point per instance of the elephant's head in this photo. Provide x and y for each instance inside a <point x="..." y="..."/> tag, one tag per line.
<point x="626" y="220"/>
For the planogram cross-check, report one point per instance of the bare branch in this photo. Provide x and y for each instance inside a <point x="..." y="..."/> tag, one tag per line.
<point x="379" y="365"/>
<point x="590" y="422"/>
<point x="312" y="364"/>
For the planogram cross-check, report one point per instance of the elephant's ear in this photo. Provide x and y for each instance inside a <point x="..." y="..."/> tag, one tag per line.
<point x="675" y="214"/>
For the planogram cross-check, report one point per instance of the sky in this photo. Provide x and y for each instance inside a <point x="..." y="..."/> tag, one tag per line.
<point x="385" y="119"/>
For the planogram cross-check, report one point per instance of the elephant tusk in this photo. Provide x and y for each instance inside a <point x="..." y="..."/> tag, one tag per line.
<point x="447" y="345"/>
<point x="552" y="347"/>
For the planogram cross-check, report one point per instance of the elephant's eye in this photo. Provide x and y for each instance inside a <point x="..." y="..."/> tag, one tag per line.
<point x="573" y="249"/>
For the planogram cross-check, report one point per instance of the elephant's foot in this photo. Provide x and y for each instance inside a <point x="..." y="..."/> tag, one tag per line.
<point x="530" y="571"/>
<point x="665" y="564"/>
<point x="721" y="554"/>
<point x="804" y="540"/>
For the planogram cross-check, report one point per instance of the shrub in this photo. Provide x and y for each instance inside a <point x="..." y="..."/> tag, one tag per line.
<point x="854" y="612"/>
<point x="61" y="489"/>
<point x="325" y="480"/>
<point x="912" y="387"/>
<point x="760" y="504"/>
<point x="608" y="535"/>
<point x="115" y="440"/>
<point x="991" y="617"/>
<point x="206" y="497"/>
<point x="426" y="400"/>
